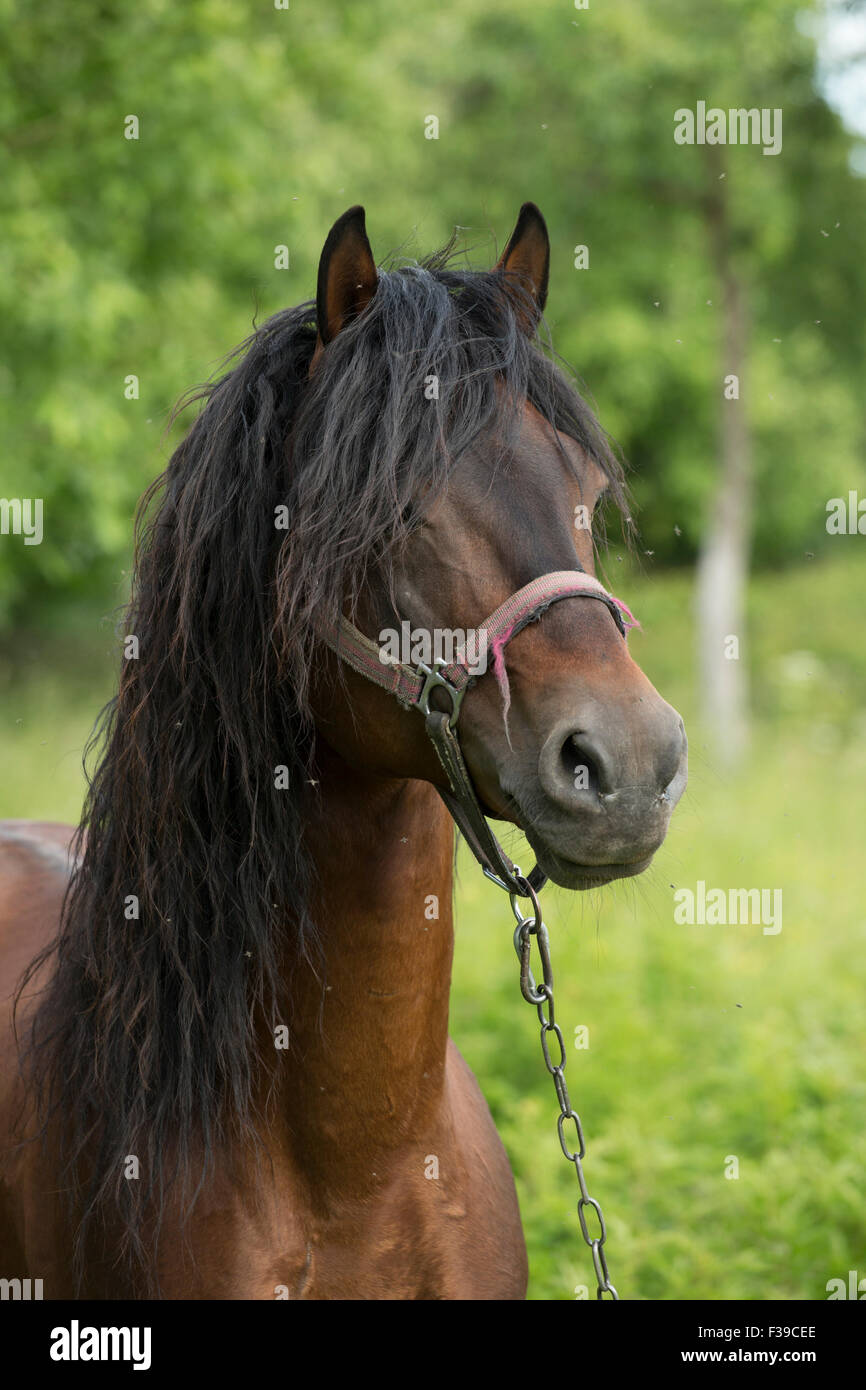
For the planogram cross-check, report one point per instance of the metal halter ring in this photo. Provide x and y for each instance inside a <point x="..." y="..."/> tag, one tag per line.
<point x="526" y="891"/>
<point x="434" y="679"/>
<point x="526" y="928"/>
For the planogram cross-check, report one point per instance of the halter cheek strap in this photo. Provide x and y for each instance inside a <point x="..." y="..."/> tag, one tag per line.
<point x="413" y="686"/>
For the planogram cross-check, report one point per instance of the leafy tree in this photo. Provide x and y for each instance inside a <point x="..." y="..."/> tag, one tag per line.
<point x="150" y="257"/>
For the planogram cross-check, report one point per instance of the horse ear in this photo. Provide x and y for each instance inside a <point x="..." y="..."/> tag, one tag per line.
<point x="526" y="261"/>
<point x="347" y="275"/>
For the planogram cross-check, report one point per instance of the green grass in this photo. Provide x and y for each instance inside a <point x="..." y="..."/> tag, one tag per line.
<point x="52" y="686"/>
<point x="705" y="1041"/>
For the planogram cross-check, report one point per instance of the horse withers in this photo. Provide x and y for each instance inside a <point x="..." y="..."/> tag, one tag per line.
<point x="228" y="1063"/>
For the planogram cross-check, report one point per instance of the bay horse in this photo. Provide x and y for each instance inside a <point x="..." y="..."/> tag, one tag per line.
<point x="226" y="1066"/>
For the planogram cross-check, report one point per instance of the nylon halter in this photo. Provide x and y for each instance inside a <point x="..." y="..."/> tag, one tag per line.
<point x="413" y="686"/>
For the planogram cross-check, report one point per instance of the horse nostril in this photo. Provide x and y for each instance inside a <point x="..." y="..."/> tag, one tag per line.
<point x="583" y="766"/>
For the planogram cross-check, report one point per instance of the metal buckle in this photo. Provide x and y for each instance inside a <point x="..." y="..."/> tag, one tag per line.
<point x="433" y="679"/>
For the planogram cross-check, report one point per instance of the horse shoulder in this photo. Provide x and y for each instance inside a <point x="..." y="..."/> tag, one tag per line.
<point x="498" y="1246"/>
<point x="34" y="871"/>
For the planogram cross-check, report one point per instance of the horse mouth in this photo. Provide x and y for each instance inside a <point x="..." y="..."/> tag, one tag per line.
<point x="560" y="868"/>
<point x="570" y="873"/>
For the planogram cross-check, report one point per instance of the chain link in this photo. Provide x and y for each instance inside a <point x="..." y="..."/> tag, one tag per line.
<point x="542" y="997"/>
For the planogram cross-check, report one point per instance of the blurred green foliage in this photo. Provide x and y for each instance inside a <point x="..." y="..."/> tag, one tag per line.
<point x="258" y="126"/>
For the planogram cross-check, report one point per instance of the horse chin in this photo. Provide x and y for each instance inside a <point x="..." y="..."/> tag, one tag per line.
<point x="569" y="873"/>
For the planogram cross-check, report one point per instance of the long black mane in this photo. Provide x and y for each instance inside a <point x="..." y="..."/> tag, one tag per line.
<point x="145" y="1039"/>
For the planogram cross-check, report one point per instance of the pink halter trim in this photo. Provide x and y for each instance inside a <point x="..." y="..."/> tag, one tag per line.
<point x="529" y="603"/>
<point x="523" y="607"/>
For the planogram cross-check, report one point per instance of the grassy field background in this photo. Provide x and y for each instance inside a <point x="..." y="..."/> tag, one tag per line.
<point x="705" y="1041"/>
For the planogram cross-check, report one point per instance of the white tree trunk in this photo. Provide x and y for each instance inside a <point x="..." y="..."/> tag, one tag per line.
<point x="723" y="562"/>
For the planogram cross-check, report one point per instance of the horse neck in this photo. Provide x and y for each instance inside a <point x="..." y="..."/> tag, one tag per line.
<point x="368" y="1030"/>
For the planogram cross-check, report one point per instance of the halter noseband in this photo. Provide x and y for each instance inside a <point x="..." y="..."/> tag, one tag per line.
<point x="413" y="686"/>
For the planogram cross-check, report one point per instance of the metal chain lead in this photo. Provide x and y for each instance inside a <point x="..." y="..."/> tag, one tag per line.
<point x="541" y="996"/>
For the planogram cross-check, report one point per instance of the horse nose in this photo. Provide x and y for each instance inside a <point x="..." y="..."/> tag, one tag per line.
<point x="587" y="762"/>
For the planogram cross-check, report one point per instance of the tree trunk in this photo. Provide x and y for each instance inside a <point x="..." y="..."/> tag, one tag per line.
<point x="723" y="562"/>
